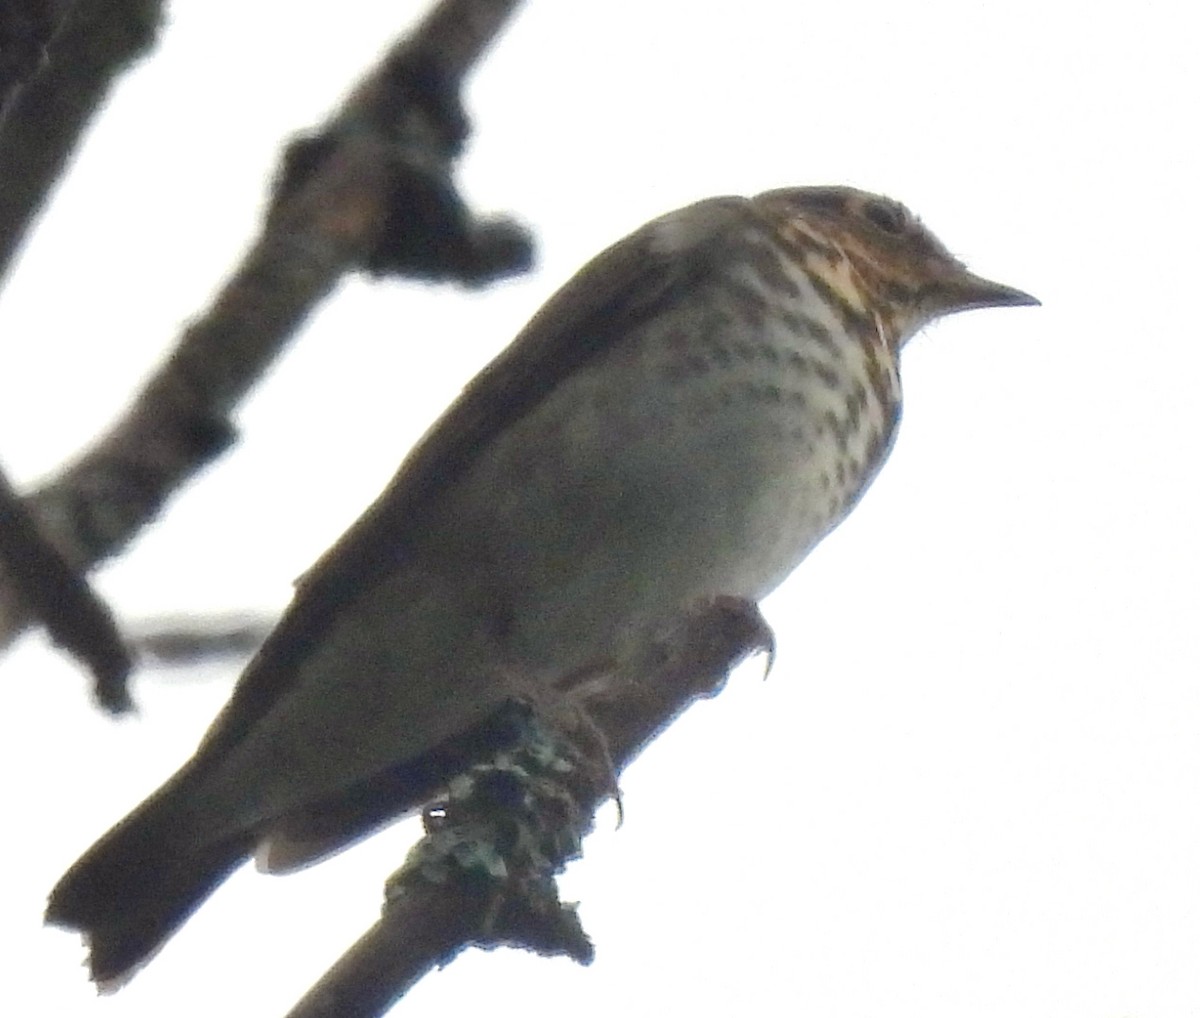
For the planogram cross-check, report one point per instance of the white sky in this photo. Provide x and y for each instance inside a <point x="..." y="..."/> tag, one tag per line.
<point x="972" y="784"/>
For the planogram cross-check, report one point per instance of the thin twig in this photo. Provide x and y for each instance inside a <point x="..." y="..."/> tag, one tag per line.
<point x="177" y="641"/>
<point x="372" y="189"/>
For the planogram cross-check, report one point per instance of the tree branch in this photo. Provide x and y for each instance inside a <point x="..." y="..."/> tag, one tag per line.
<point x="62" y="601"/>
<point x="177" y="641"/>
<point x="73" y="51"/>
<point x="26" y="28"/>
<point x="372" y="189"/>
<point x="484" y="874"/>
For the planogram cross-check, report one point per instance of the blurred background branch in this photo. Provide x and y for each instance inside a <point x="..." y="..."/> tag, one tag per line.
<point x="372" y="189"/>
<point x="62" y="600"/>
<point x="60" y="58"/>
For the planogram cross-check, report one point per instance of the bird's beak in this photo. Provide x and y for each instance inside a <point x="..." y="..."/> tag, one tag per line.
<point x="966" y="291"/>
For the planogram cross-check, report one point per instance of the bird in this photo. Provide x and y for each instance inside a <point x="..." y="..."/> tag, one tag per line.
<point x="686" y="418"/>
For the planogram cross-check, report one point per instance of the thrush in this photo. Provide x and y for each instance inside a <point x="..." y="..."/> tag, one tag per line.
<point x="685" y="419"/>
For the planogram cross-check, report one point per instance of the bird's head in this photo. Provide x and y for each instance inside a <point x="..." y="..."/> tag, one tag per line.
<point x="874" y="256"/>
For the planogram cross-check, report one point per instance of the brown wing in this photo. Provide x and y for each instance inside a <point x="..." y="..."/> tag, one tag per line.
<point x="623" y="286"/>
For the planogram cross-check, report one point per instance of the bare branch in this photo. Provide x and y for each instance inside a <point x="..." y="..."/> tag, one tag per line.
<point x="94" y="42"/>
<point x="182" y="640"/>
<point x="372" y="189"/>
<point x="484" y="873"/>
<point x="61" y="599"/>
<point x="26" y="28"/>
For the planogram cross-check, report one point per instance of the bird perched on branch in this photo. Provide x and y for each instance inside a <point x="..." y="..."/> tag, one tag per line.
<point x="685" y="419"/>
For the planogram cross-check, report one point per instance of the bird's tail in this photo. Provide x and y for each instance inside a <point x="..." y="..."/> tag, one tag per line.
<point x="135" y="887"/>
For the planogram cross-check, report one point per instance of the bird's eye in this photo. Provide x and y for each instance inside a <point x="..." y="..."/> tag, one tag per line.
<point x="888" y="216"/>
